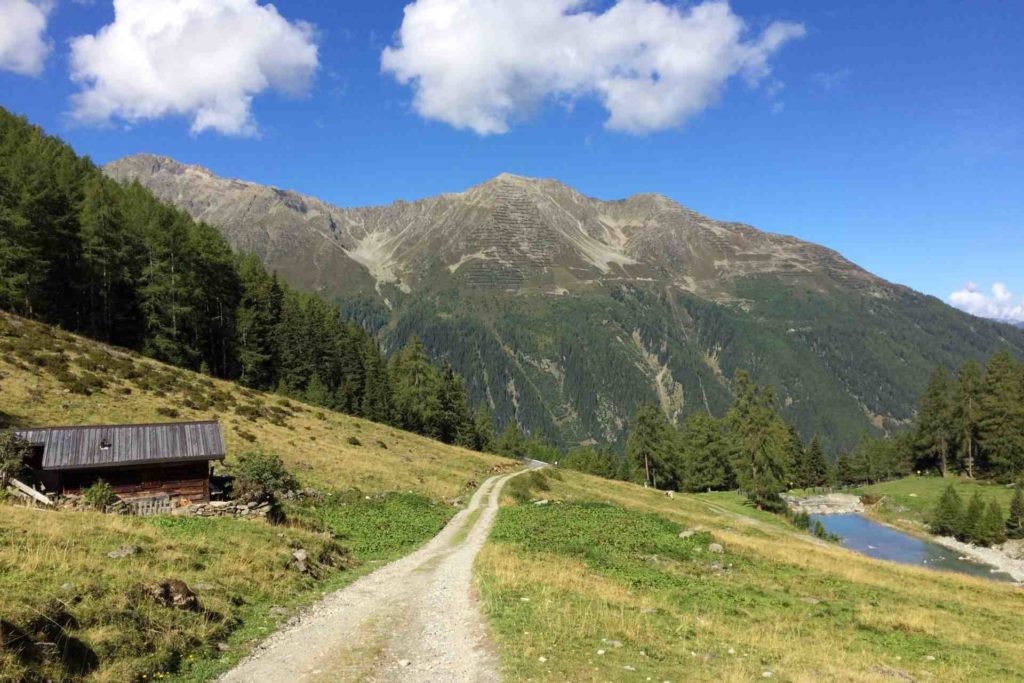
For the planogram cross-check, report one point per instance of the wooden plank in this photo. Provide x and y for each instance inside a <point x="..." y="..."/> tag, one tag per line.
<point x="31" y="492"/>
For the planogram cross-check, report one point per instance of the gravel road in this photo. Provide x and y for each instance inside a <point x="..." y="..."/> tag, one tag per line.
<point x="416" y="619"/>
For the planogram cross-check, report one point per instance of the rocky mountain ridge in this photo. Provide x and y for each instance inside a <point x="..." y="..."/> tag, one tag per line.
<point x="563" y="312"/>
<point x="508" y="233"/>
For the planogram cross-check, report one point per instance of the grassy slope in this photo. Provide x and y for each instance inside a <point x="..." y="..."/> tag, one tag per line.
<point x="563" y="581"/>
<point x="913" y="499"/>
<point x="54" y="567"/>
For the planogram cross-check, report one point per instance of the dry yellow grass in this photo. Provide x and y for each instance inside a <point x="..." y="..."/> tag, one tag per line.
<point x="312" y="441"/>
<point x="68" y="611"/>
<point x="777" y="601"/>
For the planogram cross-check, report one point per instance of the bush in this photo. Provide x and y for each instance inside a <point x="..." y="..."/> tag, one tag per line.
<point x="354" y="441"/>
<point x="99" y="495"/>
<point x="260" y="475"/>
<point x="13" y="452"/>
<point x="167" y="412"/>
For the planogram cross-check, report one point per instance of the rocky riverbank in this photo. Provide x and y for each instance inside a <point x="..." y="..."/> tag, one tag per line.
<point x="1007" y="558"/>
<point x="825" y="504"/>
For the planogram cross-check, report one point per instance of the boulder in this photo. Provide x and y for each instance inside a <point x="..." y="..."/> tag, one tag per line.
<point x="716" y="548"/>
<point x="173" y="593"/>
<point x="123" y="551"/>
<point x="300" y="558"/>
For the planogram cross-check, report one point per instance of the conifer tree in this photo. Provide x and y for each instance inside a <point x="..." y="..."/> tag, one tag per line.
<point x="760" y="443"/>
<point x="949" y="514"/>
<point x="483" y="430"/>
<point x="1001" y="428"/>
<point x="934" y="427"/>
<point x="967" y="414"/>
<point x="316" y="392"/>
<point x="817" y="466"/>
<point x="453" y="422"/>
<point x="416" y="386"/>
<point x="511" y="443"/>
<point x="377" y="399"/>
<point x="20" y="266"/>
<point x="648" y="446"/>
<point x="705" y="455"/>
<point x="844" y="475"/>
<point x="991" y="530"/>
<point x="972" y="521"/>
<point x="256" y="322"/>
<point x="1015" y="521"/>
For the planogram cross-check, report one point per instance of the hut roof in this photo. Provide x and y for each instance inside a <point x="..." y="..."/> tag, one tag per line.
<point x="93" y="446"/>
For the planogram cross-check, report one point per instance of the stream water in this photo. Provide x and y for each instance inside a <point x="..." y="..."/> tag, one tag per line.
<point x="879" y="541"/>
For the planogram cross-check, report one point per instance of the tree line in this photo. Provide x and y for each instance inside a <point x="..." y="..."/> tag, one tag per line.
<point x="110" y="261"/>
<point x="977" y="522"/>
<point x="751" y="448"/>
<point x="972" y="422"/>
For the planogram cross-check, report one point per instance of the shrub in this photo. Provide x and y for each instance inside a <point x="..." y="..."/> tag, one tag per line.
<point x="99" y="495"/>
<point x="261" y="475"/>
<point x="13" y="452"/>
<point x="250" y="412"/>
<point x="354" y="441"/>
<point x="167" y="411"/>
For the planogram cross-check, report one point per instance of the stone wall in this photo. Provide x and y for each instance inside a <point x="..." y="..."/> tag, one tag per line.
<point x="224" y="508"/>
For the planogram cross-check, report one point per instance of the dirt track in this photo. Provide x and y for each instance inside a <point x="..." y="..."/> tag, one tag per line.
<point x="415" y="619"/>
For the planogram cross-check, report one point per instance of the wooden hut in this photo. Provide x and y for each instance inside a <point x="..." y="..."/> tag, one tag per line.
<point x="138" y="461"/>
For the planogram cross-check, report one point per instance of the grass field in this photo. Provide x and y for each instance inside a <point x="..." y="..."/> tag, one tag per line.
<point x="913" y="499"/>
<point x="597" y="585"/>
<point x="69" y="611"/>
<point x="50" y="377"/>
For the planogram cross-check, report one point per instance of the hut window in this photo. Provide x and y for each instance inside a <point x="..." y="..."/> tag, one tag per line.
<point x="105" y="444"/>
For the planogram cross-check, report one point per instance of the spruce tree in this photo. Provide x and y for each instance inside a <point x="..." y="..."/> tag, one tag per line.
<point x="453" y="422"/>
<point x="1001" y="429"/>
<point x="934" y="426"/>
<point x="843" y="470"/>
<point x="705" y="455"/>
<point x="992" y="528"/>
<point x="256" y="321"/>
<point x="416" y="386"/>
<point x="972" y="521"/>
<point x="378" y="404"/>
<point x="949" y="514"/>
<point x="317" y="392"/>
<point x="511" y="443"/>
<point x="648" y="445"/>
<point x="967" y="414"/>
<point x="760" y="443"/>
<point x="1015" y="521"/>
<point x="815" y="464"/>
<point x="483" y="430"/>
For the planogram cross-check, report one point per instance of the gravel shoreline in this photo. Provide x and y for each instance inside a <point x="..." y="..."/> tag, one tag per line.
<point x="996" y="557"/>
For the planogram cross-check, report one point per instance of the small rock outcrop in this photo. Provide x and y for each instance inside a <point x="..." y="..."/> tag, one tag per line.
<point x="827" y="504"/>
<point x="173" y="593"/>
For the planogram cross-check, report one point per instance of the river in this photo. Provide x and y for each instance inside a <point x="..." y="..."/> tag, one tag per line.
<point x="882" y="542"/>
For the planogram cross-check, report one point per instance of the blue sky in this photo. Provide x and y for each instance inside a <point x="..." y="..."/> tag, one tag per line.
<point x="891" y="132"/>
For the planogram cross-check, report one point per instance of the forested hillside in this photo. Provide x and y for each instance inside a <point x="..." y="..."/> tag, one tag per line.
<point x="81" y="251"/>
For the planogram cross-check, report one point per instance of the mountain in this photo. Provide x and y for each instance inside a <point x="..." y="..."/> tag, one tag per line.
<point x="564" y="312"/>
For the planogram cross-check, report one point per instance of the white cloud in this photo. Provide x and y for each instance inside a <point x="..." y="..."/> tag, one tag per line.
<point x="481" y="64"/>
<point x="1000" y="304"/>
<point x="205" y="59"/>
<point x="23" y="42"/>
